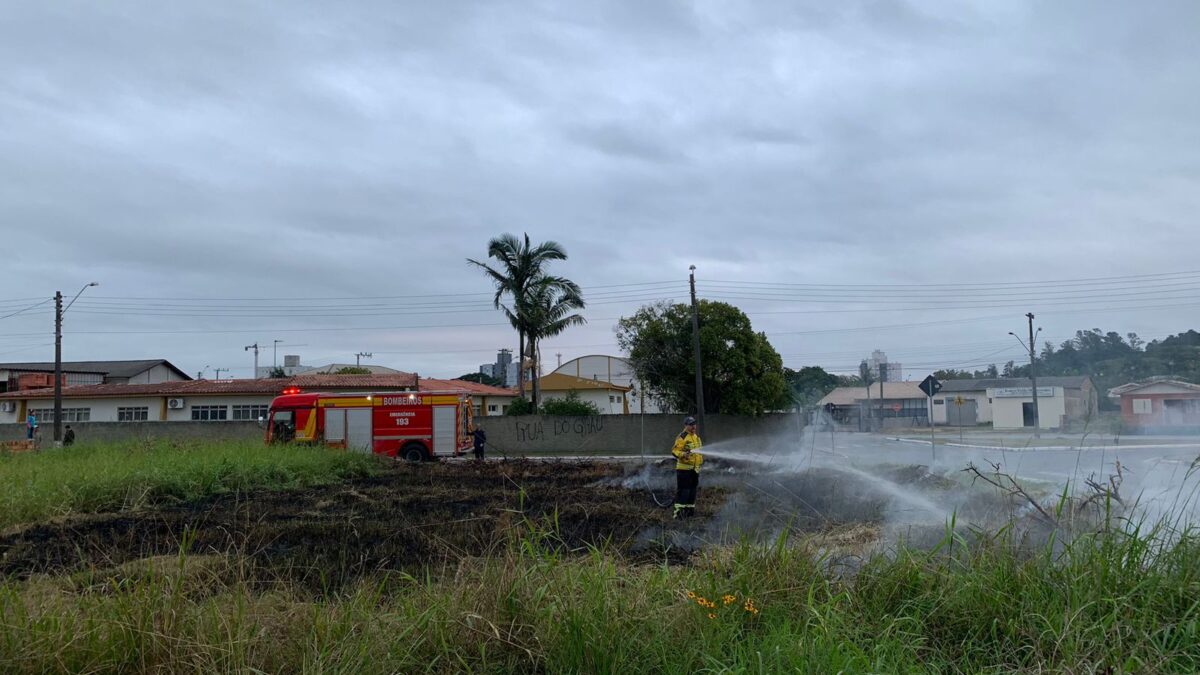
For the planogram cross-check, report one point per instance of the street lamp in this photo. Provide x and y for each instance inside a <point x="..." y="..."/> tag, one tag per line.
<point x="59" y="310"/>
<point x="1037" y="418"/>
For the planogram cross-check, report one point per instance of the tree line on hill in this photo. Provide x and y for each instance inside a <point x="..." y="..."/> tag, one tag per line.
<point x="1109" y="358"/>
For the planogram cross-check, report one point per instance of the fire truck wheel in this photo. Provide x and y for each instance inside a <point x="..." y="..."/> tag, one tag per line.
<point x="413" y="452"/>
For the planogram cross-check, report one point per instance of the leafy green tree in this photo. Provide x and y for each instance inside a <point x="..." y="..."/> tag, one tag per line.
<point x="520" y="406"/>
<point x="520" y="275"/>
<point x="352" y="370"/>
<point x="572" y="405"/>
<point x="810" y="384"/>
<point x="278" y="372"/>
<point x="952" y="374"/>
<point x="742" y="373"/>
<point x="1111" y="359"/>
<point x="481" y="379"/>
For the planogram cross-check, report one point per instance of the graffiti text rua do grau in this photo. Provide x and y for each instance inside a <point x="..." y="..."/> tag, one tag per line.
<point x="564" y="426"/>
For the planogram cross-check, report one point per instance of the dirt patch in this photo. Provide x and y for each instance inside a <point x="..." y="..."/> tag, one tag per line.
<point x="409" y="517"/>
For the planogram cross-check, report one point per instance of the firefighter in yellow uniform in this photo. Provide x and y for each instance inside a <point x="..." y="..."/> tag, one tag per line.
<point x="687" y="469"/>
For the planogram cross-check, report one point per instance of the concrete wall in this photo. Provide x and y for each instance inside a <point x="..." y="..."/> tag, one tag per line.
<point x="133" y="431"/>
<point x="601" y="434"/>
<point x="652" y="434"/>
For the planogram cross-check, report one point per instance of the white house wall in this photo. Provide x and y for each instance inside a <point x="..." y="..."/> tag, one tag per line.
<point x="99" y="409"/>
<point x="104" y="409"/>
<point x="156" y="375"/>
<point x="491" y="406"/>
<point x="613" y="370"/>
<point x="600" y="397"/>
<point x="185" y="413"/>
<point x="1007" y="413"/>
<point x="983" y="407"/>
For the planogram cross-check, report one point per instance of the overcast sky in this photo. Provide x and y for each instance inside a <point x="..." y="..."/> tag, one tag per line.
<point x="317" y="173"/>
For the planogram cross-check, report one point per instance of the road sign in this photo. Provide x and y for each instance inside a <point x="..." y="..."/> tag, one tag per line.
<point x="930" y="386"/>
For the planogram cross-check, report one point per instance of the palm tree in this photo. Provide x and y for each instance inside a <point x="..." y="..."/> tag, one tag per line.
<point x="550" y="313"/>
<point x="520" y="269"/>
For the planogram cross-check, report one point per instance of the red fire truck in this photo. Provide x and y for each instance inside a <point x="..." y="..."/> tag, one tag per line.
<point x="414" y="425"/>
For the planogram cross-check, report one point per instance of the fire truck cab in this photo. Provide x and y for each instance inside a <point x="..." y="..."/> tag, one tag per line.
<point x="417" y="426"/>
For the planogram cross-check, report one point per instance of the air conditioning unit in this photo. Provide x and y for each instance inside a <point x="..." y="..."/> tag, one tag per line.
<point x="175" y="403"/>
<point x="8" y="406"/>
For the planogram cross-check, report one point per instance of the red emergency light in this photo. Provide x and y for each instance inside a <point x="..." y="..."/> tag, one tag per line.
<point x="292" y="390"/>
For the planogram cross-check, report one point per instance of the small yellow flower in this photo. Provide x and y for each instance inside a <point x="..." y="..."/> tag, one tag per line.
<point x="729" y="599"/>
<point x="691" y="595"/>
<point x="712" y="616"/>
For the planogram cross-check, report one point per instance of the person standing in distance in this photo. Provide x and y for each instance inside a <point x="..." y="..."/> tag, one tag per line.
<point x="687" y="469"/>
<point x="478" y="439"/>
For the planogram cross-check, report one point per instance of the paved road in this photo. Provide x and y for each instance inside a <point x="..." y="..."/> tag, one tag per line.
<point x="1159" y="474"/>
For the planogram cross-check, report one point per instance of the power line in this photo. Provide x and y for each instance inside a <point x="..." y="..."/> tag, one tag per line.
<point x="951" y="286"/>
<point x="26" y="309"/>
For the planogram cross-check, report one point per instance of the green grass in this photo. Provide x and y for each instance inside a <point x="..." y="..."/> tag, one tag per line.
<point x="1111" y="602"/>
<point x="105" y="477"/>
<point x="1118" y="604"/>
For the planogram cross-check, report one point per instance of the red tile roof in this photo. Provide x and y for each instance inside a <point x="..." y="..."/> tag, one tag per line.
<point x="381" y="382"/>
<point x="464" y="386"/>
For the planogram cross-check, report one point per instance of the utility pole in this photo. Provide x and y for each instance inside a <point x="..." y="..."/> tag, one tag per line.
<point x="696" y="351"/>
<point x="359" y="356"/>
<point x="1031" y="347"/>
<point x="1037" y="422"/>
<point x="882" y="379"/>
<point x="59" y="310"/>
<point x="218" y="372"/>
<point x="255" y="348"/>
<point x="275" y="353"/>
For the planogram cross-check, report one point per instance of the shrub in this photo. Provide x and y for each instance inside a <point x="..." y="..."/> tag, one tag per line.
<point x="572" y="405"/>
<point x="519" y="406"/>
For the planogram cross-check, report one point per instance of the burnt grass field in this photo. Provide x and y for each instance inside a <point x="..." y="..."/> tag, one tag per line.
<point x="215" y="559"/>
<point x="405" y="518"/>
<point x="412" y="517"/>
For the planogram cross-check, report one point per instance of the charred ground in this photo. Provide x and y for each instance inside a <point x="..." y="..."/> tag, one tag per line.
<point x="408" y="517"/>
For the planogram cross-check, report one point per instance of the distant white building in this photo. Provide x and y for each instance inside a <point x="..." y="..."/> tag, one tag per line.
<point x="291" y="366"/>
<point x="503" y="368"/>
<point x="615" y="371"/>
<point x="882" y="369"/>
<point x="183" y="400"/>
<point x="32" y="375"/>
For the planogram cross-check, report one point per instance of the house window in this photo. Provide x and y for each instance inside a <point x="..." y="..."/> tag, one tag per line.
<point x="1141" y="406"/>
<point x="492" y="407"/>
<point x="475" y="409"/>
<point x="989" y="399"/>
<point x="133" y="414"/>
<point x="612" y="399"/>
<point x="46" y="415"/>
<point x="209" y="413"/>
<point x="249" y="412"/>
